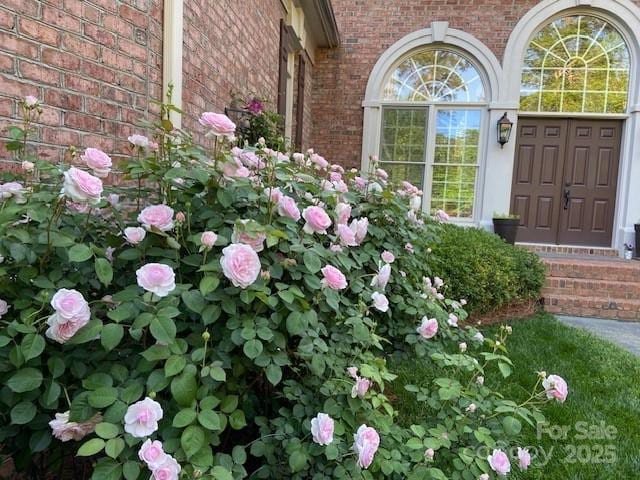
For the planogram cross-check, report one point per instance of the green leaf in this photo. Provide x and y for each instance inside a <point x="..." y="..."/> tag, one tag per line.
<point x="239" y="455"/>
<point x="111" y="336"/>
<point x="208" y="284"/>
<point x="193" y="300"/>
<point x="298" y="461"/>
<point x="221" y="473"/>
<point x="107" y="430"/>
<point x="174" y="365"/>
<point x="184" y="417"/>
<point x="415" y="443"/>
<point x="107" y="469"/>
<point x="237" y="420"/>
<point x="218" y="374"/>
<point x="40" y="441"/>
<point x="274" y="374"/>
<point x="104" y="271"/>
<point x="163" y="329"/>
<point x="32" y="346"/>
<point x="114" y="447"/>
<point x="23" y="413"/>
<point x="209" y="420"/>
<point x="505" y="369"/>
<point x="91" y="447"/>
<point x="312" y="261"/>
<point x="103" y="397"/>
<point x="89" y="332"/>
<point x="252" y="348"/>
<point x="25" y="380"/>
<point x="512" y="426"/>
<point x="192" y="440"/>
<point x="184" y="388"/>
<point x="296" y="324"/>
<point x="131" y="470"/>
<point x="80" y="253"/>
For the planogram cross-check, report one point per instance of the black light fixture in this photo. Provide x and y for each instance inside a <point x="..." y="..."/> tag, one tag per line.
<point x="239" y="116"/>
<point x="504" y="130"/>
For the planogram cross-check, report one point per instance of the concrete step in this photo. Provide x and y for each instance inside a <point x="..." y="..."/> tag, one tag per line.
<point x="616" y="270"/>
<point x="599" y="307"/>
<point x="544" y="249"/>
<point x="586" y="287"/>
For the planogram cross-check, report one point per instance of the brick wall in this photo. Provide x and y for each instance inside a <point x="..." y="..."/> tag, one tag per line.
<point x="94" y="63"/>
<point x="230" y="46"/>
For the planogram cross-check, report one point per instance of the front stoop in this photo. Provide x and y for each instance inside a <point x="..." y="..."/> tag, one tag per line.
<point x="592" y="286"/>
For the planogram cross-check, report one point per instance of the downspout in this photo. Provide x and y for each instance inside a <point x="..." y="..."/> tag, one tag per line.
<point x="172" y="40"/>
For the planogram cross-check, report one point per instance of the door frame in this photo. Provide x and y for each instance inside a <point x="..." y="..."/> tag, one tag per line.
<point x="624" y="162"/>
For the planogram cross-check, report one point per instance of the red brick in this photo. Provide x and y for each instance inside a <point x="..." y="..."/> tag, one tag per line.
<point x="116" y="95"/>
<point x="91" y="13"/>
<point x="24" y="7"/>
<point x="7" y="20"/>
<point x="133" y="49"/>
<point x="98" y="72"/>
<point x="7" y="63"/>
<point x="100" y="35"/>
<point x="62" y="99"/>
<point x="6" y="107"/>
<point x="17" y="88"/>
<point x="24" y="48"/>
<point x="102" y="109"/>
<point x="119" y="61"/>
<point x="119" y="26"/>
<point x="133" y="15"/>
<point x="79" y="84"/>
<point x="96" y="141"/>
<point x="39" y="31"/>
<point x="39" y="73"/>
<point x="80" y="46"/>
<point x="59" y="136"/>
<point x="60" y="59"/>
<point x="80" y="121"/>
<point x="61" y="19"/>
<point x="50" y="116"/>
<point x="130" y="82"/>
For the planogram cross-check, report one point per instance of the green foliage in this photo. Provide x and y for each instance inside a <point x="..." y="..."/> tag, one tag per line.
<point x="483" y="269"/>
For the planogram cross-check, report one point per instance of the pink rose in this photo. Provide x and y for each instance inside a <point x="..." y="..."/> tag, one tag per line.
<point x="4" y="307"/>
<point x="408" y="247"/>
<point x="141" y="418"/>
<point x="180" y="217"/>
<point x="388" y="257"/>
<point x="159" y="217"/>
<point x="333" y="278"/>
<point x="361" y="387"/>
<point x="353" y="372"/>
<point x="438" y="282"/>
<point x="273" y="194"/>
<point x="12" y="189"/>
<point x="139" y="141"/>
<point x="556" y="387"/>
<point x="319" y="161"/>
<point x="322" y="429"/>
<point x="30" y="101"/>
<point x="28" y="166"/>
<point x="360" y="227"/>
<point x="316" y="219"/>
<point x="360" y="183"/>
<point x="453" y="320"/>
<point x="524" y="458"/>
<point x="499" y="462"/>
<point x="208" y="239"/>
<point x="81" y="186"/>
<point x="346" y="235"/>
<point x="250" y="160"/>
<point x="218" y="124"/>
<point x="335" y="176"/>
<point x="340" y="186"/>
<point x="429" y="453"/>
<point x="169" y="469"/>
<point x="381" y="174"/>
<point x="240" y="264"/>
<point x="335" y="248"/>
<point x="156" y="278"/>
<point x="382" y="278"/>
<point x="64" y="430"/>
<point x="442" y="216"/>
<point x="298" y="158"/>
<point x="152" y="453"/>
<point x="287" y="207"/>
<point x="462" y="346"/>
<point x="380" y="301"/>
<point x="428" y="328"/>
<point x="134" y="235"/>
<point x="366" y="443"/>
<point x="71" y="314"/>
<point x="62" y="330"/>
<point x="343" y="212"/>
<point x="248" y="235"/>
<point x="98" y="161"/>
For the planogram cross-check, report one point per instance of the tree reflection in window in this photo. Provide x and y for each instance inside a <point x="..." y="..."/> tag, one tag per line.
<point x="578" y="63"/>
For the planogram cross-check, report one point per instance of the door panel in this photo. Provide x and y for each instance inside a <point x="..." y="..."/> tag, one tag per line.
<point x="565" y="180"/>
<point x="537" y="181"/>
<point x="591" y="176"/>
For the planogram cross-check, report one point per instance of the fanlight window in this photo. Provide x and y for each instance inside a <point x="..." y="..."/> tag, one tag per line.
<point x="435" y="76"/>
<point x="578" y="63"/>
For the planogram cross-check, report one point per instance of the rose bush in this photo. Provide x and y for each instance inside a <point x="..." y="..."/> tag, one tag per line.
<point x="200" y="325"/>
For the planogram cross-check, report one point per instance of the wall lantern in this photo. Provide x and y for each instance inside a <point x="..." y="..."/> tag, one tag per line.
<point x="504" y="130"/>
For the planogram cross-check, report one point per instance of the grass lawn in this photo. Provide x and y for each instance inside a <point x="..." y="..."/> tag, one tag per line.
<point x="604" y="392"/>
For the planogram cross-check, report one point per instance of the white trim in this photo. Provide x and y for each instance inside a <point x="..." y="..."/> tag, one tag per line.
<point x="172" y="54"/>
<point x="625" y="16"/>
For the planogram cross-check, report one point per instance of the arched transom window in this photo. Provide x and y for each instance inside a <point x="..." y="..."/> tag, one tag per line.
<point x="433" y="105"/>
<point x="578" y="63"/>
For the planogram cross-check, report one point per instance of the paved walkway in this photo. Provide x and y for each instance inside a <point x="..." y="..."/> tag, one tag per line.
<point x="624" y="334"/>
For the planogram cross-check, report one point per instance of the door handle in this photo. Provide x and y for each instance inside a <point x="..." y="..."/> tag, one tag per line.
<point x="567" y="194"/>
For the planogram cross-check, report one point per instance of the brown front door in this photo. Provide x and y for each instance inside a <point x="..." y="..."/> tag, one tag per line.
<point x="565" y="179"/>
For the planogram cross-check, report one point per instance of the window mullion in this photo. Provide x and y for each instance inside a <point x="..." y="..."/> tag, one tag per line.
<point x="429" y="151"/>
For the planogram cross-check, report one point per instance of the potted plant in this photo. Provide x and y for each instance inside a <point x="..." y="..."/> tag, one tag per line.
<point x="628" y="251"/>
<point x="506" y="226"/>
<point x="637" y="229"/>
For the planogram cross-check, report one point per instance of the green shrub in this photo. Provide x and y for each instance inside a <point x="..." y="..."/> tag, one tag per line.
<point x="481" y="268"/>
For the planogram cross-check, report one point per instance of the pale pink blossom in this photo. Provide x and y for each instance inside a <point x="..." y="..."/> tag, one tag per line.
<point x="81" y="186"/>
<point x="438" y="282"/>
<point x="360" y="228"/>
<point x="4" y="307"/>
<point x="208" y="239"/>
<point x="169" y="469"/>
<point x="462" y="346"/>
<point x="250" y="160"/>
<point x="556" y="388"/>
<point x="218" y="124"/>
<point x="240" y="264"/>
<point x="335" y="176"/>
<point x="141" y="418"/>
<point x="180" y="217"/>
<point x="156" y="278"/>
<point x="484" y="476"/>
<point x="524" y="458"/>
<point x="246" y="233"/>
<point x="335" y="248"/>
<point x="319" y="161"/>
<point x="471" y="408"/>
<point x="442" y="216"/>
<point x="139" y="141"/>
<point x="273" y="194"/>
<point x="499" y="462"/>
<point x="159" y="217"/>
<point x="360" y="387"/>
<point x="452" y="320"/>
<point x="428" y="328"/>
<point x="30" y="101"/>
<point x="333" y="278"/>
<point x="381" y="279"/>
<point x="388" y="257"/>
<point x="380" y="301"/>
<point x="415" y="203"/>
<point x="152" y="453"/>
<point x="64" y="430"/>
<point x="381" y="174"/>
<point x="316" y="219"/>
<point x="340" y="186"/>
<point x="353" y="372"/>
<point x="360" y="183"/>
<point x="429" y="453"/>
<point x="298" y="158"/>
<point x="71" y="314"/>
<point x="28" y="166"/>
<point x="480" y="380"/>
<point x="322" y="429"/>
<point x="98" y="161"/>
<point x="478" y="337"/>
<point x="366" y="443"/>
<point x="13" y="189"/>
<point x="343" y="212"/>
<point x="234" y="169"/>
<point x="408" y="247"/>
<point x="287" y="207"/>
<point x="134" y="235"/>
<point x="346" y="235"/>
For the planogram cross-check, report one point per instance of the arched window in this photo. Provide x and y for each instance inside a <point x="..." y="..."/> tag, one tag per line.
<point x="432" y="109"/>
<point x="578" y="63"/>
